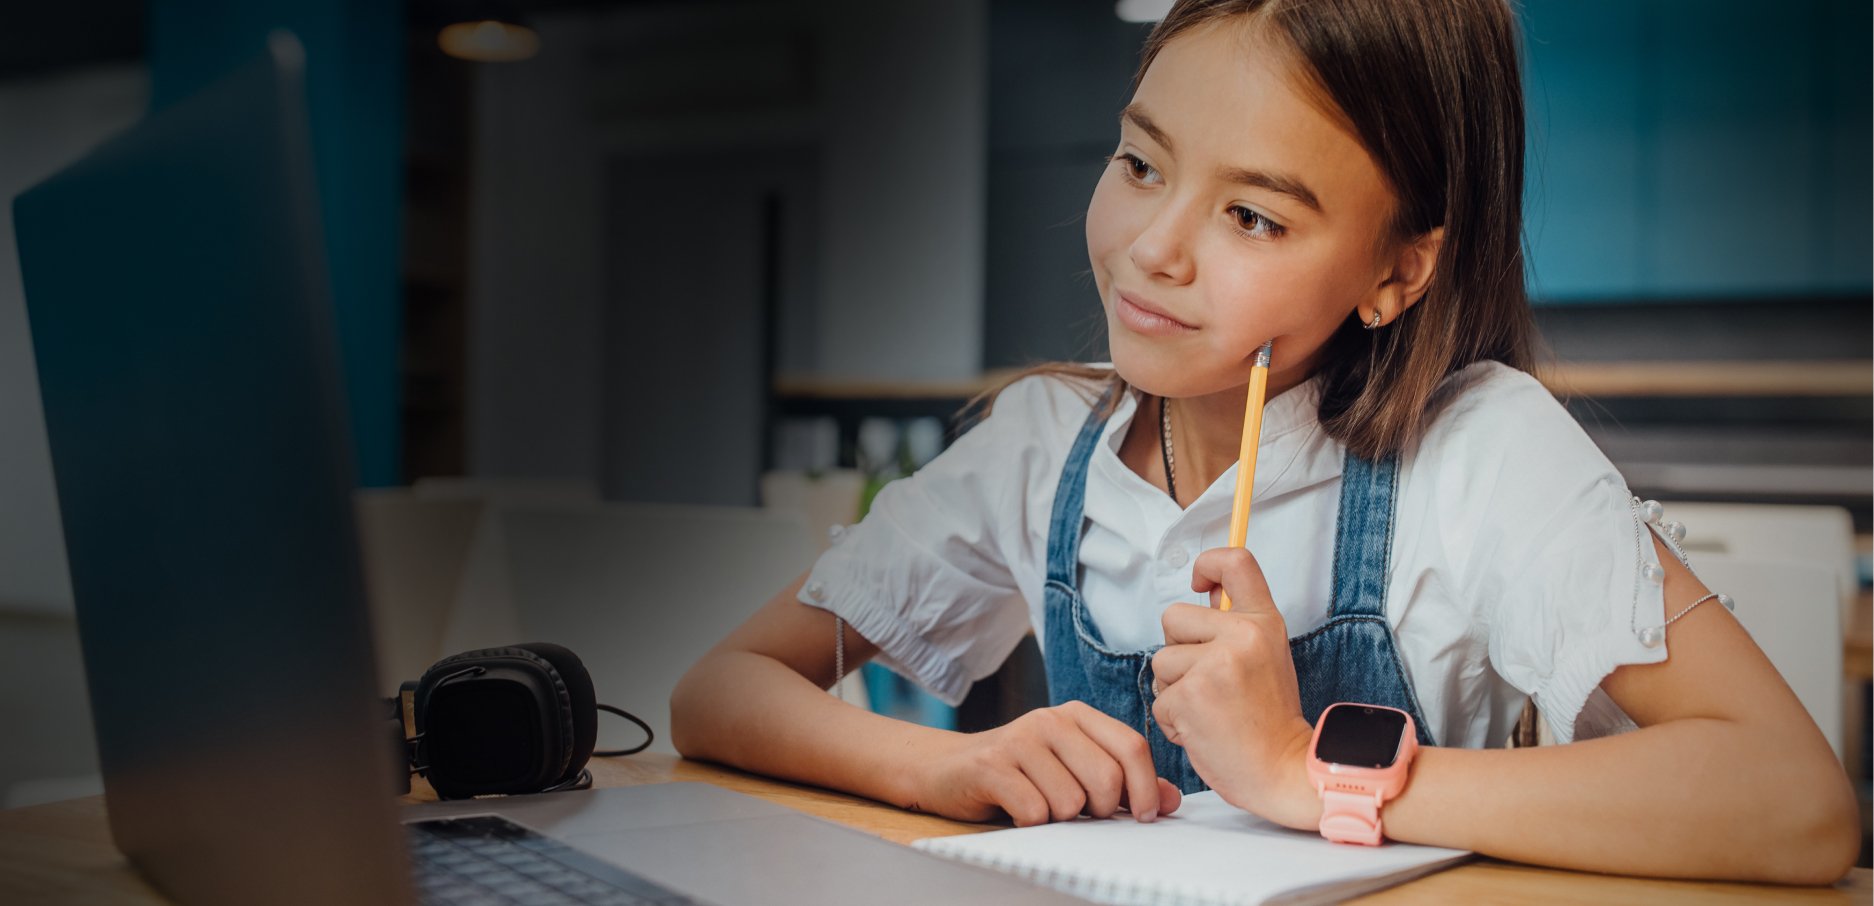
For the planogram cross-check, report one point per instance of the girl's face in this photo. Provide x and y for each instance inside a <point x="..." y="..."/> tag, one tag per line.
<point x="1234" y="211"/>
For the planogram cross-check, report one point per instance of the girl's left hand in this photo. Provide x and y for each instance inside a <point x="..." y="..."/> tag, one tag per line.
<point x="1228" y="693"/>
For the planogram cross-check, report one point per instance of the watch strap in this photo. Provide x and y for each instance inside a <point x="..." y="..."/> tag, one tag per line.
<point x="1350" y="817"/>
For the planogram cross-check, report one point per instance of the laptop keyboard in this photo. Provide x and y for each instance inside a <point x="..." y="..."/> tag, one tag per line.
<point x="490" y="860"/>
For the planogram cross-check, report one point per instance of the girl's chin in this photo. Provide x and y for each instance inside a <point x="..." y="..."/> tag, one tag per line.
<point x="1174" y="370"/>
<point x="1164" y="374"/>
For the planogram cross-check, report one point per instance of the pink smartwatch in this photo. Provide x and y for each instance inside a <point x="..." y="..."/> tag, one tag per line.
<point x="1358" y="759"/>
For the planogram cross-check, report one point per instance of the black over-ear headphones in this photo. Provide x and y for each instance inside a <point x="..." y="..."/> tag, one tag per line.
<point x="518" y="719"/>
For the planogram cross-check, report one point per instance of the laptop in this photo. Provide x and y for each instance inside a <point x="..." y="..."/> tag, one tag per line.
<point x="182" y="324"/>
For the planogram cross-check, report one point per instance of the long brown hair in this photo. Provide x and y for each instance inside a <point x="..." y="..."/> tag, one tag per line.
<point x="1433" y="90"/>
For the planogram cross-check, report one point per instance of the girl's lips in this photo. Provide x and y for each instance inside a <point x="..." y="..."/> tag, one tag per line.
<point x="1141" y="319"/>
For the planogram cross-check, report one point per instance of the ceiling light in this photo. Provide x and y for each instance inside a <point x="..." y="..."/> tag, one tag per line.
<point x="1142" y="10"/>
<point x="489" y="36"/>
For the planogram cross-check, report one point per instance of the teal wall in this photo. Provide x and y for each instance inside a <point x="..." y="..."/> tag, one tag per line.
<point x="354" y="74"/>
<point x="1697" y="150"/>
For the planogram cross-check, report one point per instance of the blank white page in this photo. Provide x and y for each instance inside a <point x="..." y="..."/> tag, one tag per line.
<point x="1208" y="852"/>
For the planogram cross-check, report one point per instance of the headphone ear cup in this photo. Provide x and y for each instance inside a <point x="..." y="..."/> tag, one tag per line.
<point x="584" y="715"/>
<point x="425" y="685"/>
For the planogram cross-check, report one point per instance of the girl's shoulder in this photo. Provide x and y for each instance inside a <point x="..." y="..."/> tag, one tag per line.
<point x="1489" y="399"/>
<point x="1495" y="420"/>
<point x="1049" y="404"/>
<point x="1027" y="424"/>
<point x="1023" y="440"/>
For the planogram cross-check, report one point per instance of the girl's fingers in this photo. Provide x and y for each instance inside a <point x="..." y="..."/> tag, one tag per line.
<point x="1168" y="797"/>
<point x="1236" y="571"/>
<point x="1189" y="624"/>
<point x="1172" y="661"/>
<point x="1012" y="791"/>
<point x="1098" y="773"/>
<point x="1064" y="795"/>
<point x="1134" y="755"/>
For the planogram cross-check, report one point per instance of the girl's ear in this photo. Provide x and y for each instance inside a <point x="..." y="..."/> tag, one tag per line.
<point x="1404" y="284"/>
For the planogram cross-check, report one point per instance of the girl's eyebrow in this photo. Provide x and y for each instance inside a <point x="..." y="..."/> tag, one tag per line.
<point x="1261" y="179"/>
<point x="1274" y="182"/>
<point x="1136" y="116"/>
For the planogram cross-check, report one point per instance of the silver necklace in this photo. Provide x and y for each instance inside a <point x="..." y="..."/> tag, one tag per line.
<point x="1164" y="447"/>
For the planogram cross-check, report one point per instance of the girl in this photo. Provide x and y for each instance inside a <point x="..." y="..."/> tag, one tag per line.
<point x="1432" y="529"/>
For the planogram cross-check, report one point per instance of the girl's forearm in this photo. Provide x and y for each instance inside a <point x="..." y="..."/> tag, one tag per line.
<point x="1704" y="798"/>
<point x="753" y="712"/>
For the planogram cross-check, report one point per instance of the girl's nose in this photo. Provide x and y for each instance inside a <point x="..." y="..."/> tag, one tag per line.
<point x="1162" y="249"/>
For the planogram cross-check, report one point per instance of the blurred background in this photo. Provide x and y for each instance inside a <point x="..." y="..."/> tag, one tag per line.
<point x="623" y="285"/>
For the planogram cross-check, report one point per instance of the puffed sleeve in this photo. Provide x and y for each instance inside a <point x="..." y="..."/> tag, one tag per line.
<point x="1557" y="555"/>
<point x="926" y="576"/>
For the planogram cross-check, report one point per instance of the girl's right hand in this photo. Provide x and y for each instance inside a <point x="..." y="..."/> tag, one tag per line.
<point x="1049" y="764"/>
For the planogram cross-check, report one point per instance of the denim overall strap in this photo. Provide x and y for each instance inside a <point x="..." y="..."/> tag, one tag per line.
<point x="1363" y="540"/>
<point x="1070" y="497"/>
<point x="1080" y="665"/>
<point x="1353" y="657"/>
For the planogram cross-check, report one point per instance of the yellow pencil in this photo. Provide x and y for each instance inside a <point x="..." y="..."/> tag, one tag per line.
<point x="1246" y="458"/>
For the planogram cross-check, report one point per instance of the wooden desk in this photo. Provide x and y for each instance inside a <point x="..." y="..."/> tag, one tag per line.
<point x="61" y="853"/>
<point x="1597" y="379"/>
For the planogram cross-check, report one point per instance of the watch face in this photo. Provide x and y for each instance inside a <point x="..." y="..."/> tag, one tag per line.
<point x="1360" y="736"/>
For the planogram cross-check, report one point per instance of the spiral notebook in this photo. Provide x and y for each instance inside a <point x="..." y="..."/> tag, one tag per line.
<point x="1208" y="853"/>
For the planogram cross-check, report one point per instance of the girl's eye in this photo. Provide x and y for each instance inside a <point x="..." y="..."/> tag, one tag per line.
<point x="1253" y="224"/>
<point x="1136" y="169"/>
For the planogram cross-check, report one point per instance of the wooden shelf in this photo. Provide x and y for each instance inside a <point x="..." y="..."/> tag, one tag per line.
<point x="1857" y="656"/>
<point x="1712" y="379"/>
<point x="1832" y="378"/>
<point x="810" y="387"/>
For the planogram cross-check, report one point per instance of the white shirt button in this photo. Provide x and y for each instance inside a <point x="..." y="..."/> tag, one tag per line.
<point x="815" y="590"/>
<point x="836" y="533"/>
<point x="1175" y="558"/>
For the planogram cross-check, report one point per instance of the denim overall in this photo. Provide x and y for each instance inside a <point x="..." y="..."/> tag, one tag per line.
<point x="1349" y="658"/>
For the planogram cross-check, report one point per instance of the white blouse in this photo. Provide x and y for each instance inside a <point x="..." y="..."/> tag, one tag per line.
<point x="1518" y="563"/>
